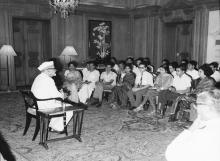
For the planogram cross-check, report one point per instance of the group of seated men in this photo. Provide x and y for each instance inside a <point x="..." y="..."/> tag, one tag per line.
<point x="87" y="86"/>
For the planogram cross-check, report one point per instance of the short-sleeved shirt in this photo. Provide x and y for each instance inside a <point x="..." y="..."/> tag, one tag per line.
<point x="193" y="73"/>
<point x="144" y="78"/>
<point x="216" y="76"/>
<point x="93" y="76"/>
<point x="107" y="77"/>
<point x="182" y="83"/>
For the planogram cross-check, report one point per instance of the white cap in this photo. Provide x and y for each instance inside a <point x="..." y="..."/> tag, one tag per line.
<point x="46" y="65"/>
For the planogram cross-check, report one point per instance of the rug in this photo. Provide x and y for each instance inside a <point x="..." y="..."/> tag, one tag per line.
<point x="107" y="135"/>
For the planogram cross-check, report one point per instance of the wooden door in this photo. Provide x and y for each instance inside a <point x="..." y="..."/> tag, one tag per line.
<point x="29" y="42"/>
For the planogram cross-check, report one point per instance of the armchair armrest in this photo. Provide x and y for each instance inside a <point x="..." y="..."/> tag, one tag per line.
<point x="47" y="99"/>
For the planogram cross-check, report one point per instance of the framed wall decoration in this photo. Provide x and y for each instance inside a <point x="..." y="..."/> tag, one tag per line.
<point x="99" y="39"/>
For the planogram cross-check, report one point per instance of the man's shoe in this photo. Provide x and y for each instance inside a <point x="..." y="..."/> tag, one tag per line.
<point x="139" y="108"/>
<point x="93" y="101"/>
<point x="99" y="104"/>
<point x="132" y="108"/>
<point x="172" y="118"/>
<point x="82" y="105"/>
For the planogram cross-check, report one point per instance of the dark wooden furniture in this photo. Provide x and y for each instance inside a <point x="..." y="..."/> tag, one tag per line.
<point x="31" y="109"/>
<point x="46" y="115"/>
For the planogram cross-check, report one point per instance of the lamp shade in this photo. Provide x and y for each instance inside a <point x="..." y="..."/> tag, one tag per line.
<point x="7" y="50"/>
<point x="69" y="51"/>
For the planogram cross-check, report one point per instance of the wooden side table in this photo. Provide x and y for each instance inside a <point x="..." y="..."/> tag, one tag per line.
<point x="46" y="115"/>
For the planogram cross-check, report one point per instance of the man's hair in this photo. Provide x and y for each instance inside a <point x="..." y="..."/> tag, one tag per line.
<point x="182" y="67"/>
<point x="211" y="96"/>
<point x="93" y="62"/>
<point x="174" y="64"/>
<point x="75" y="64"/>
<point x="122" y="62"/>
<point x="214" y="64"/>
<point x="109" y="64"/>
<point x="166" y="61"/>
<point x="129" y="65"/>
<point x="206" y="69"/>
<point x="193" y="62"/>
<point x="143" y="63"/>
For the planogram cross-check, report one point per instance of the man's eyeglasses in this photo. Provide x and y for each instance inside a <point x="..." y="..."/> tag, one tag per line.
<point x="198" y="103"/>
<point x="141" y="67"/>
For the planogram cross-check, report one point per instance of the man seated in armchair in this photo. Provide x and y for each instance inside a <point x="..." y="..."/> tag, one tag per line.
<point x="44" y="87"/>
<point x="107" y="82"/>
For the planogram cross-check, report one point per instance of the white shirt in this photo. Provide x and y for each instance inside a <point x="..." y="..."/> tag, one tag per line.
<point x="216" y="76"/>
<point x="116" y="68"/>
<point x="202" y="144"/>
<point x="136" y="70"/>
<point x="174" y="73"/>
<point x="193" y="73"/>
<point x="182" y="83"/>
<point x="93" y="76"/>
<point x="44" y="87"/>
<point x="107" y="77"/>
<point x="85" y="72"/>
<point x="144" y="78"/>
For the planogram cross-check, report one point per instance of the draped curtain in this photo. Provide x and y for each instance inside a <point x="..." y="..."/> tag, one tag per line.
<point x="200" y="35"/>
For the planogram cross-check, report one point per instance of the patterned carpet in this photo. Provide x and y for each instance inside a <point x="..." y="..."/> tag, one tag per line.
<point x="107" y="135"/>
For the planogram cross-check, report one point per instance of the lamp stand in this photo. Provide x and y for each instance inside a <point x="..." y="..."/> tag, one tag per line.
<point x="8" y="90"/>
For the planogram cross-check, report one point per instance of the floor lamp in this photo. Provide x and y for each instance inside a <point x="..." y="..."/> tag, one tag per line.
<point x="68" y="51"/>
<point x="7" y="50"/>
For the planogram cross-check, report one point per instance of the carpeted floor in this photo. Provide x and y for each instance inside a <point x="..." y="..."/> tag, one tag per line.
<point x="107" y="135"/>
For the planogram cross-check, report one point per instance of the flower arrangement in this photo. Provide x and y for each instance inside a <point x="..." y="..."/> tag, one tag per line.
<point x="100" y="33"/>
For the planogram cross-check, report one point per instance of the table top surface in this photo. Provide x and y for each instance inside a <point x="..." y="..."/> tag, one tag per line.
<point x="58" y="110"/>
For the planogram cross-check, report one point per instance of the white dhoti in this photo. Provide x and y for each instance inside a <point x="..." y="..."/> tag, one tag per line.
<point x="56" y="123"/>
<point x="85" y="92"/>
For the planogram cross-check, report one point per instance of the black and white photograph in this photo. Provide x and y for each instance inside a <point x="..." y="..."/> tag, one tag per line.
<point x="109" y="80"/>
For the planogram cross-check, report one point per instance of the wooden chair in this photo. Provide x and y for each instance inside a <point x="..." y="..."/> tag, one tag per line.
<point x="31" y="109"/>
<point x="106" y="93"/>
<point x="32" y="112"/>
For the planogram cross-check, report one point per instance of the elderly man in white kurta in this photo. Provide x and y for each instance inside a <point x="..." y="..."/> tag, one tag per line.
<point x="89" y="83"/>
<point x="44" y="87"/>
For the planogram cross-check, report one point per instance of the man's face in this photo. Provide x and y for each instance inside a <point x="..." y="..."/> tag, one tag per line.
<point x="138" y="62"/>
<point x="213" y="68"/>
<point x="190" y="67"/>
<point x="179" y="72"/>
<point x="121" y="66"/>
<point x="72" y="67"/>
<point x="142" y="68"/>
<point x="92" y="66"/>
<point x="108" y="68"/>
<point x="171" y="69"/>
<point x="51" y="72"/>
<point x="129" y="61"/>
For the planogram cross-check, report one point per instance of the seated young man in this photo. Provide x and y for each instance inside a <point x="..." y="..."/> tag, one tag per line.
<point x="44" y="87"/>
<point x="143" y="81"/>
<point x="89" y="80"/>
<point x="107" y="81"/>
<point x="191" y="70"/>
<point x="216" y="72"/>
<point x="181" y="85"/>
